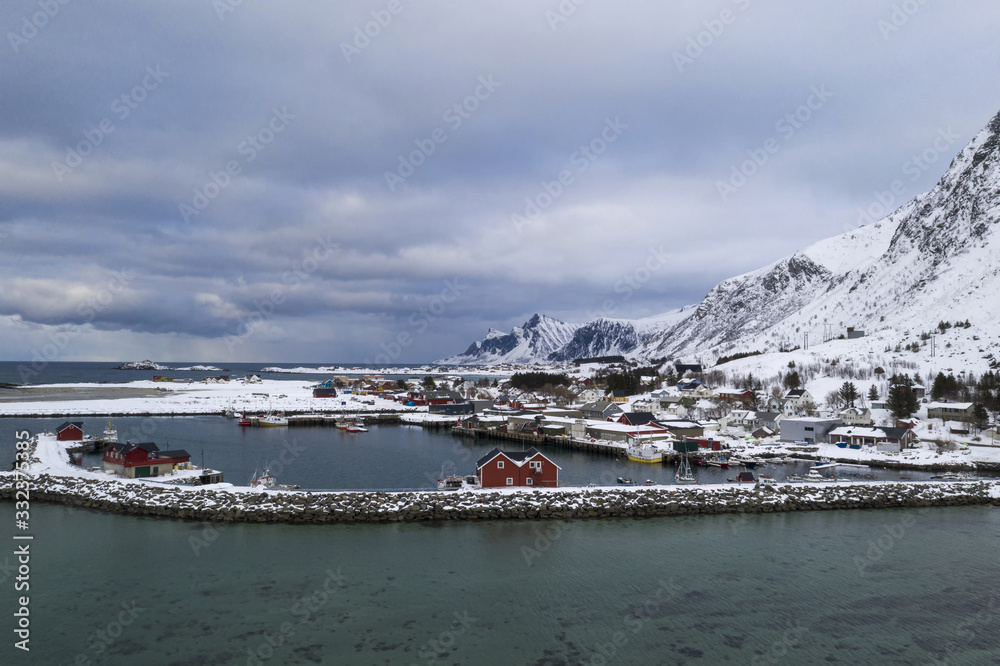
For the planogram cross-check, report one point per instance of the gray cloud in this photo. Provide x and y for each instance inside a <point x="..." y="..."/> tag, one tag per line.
<point x="175" y="107"/>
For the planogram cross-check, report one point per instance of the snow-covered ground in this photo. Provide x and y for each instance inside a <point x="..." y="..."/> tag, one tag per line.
<point x="423" y="371"/>
<point x="196" y="398"/>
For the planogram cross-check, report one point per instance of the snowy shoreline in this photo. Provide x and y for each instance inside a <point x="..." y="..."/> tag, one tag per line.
<point x="53" y="479"/>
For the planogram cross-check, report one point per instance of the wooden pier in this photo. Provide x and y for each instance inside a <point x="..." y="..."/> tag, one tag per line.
<point x="604" y="448"/>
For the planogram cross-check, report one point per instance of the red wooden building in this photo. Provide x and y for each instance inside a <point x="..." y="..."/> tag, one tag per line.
<point x="501" y="469"/>
<point x="137" y="461"/>
<point x="70" y="431"/>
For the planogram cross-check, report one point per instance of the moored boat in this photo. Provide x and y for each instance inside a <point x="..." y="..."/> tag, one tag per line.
<point x="271" y="420"/>
<point x="110" y="434"/>
<point x="644" y="453"/>
<point x="458" y="482"/>
<point x="684" y="473"/>
<point x="263" y="482"/>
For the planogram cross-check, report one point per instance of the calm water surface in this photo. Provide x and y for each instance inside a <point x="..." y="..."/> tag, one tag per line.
<point x="850" y="587"/>
<point x="387" y="457"/>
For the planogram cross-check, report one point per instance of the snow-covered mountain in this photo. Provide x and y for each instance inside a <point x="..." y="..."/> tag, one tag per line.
<point x="542" y="339"/>
<point x="936" y="258"/>
<point x="535" y="341"/>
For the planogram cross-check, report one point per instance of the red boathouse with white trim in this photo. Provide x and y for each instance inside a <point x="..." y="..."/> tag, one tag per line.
<point x="528" y="469"/>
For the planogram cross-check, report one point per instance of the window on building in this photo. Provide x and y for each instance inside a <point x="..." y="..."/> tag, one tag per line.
<point x="510" y="481"/>
<point x="529" y="482"/>
<point x="499" y="464"/>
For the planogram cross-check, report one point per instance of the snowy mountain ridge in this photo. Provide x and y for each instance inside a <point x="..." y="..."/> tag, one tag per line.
<point x="936" y="258"/>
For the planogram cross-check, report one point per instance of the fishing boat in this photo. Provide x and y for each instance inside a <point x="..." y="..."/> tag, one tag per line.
<point x="811" y="476"/>
<point x="244" y="420"/>
<point x="766" y="480"/>
<point x="356" y="426"/>
<point x="341" y="423"/>
<point x="457" y="482"/>
<point x="110" y="434"/>
<point x="625" y="482"/>
<point x="718" y="462"/>
<point x="644" y="453"/>
<point x="271" y="420"/>
<point x="263" y="482"/>
<point x="684" y="473"/>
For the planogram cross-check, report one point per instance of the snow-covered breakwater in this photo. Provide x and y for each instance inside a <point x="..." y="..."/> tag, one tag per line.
<point x="564" y="503"/>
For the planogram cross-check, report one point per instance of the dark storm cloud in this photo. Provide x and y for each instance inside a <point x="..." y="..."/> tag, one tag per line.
<point x="235" y="162"/>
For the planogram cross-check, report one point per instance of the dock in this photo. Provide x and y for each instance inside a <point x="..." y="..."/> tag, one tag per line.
<point x="605" y="448"/>
<point x="330" y="420"/>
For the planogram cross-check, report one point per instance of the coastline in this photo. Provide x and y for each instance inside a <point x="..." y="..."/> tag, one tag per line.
<point x="208" y="504"/>
<point x="52" y="478"/>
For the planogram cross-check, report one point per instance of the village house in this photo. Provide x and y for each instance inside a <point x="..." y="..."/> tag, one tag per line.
<point x="590" y="395"/>
<point x="886" y="439"/>
<point x="682" y="368"/>
<point x="136" y="461"/>
<point x="950" y="411"/>
<point x="617" y="397"/>
<point x="733" y="395"/>
<point x="694" y="388"/>
<point x="796" y="400"/>
<point x="750" y="420"/>
<point x="636" y="418"/>
<point x="601" y="410"/>
<point x="645" y="405"/>
<point x="857" y="416"/>
<point x="70" y="431"/>
<point x="502" y="469"/>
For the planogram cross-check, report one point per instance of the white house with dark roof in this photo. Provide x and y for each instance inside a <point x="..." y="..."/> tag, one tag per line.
<point x="795" y="400"/>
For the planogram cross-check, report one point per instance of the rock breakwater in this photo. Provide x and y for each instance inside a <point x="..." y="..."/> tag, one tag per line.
<point x="234" y="505"/>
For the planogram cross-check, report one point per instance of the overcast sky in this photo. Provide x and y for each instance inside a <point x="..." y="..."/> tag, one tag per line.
<point x="385" y="180"/>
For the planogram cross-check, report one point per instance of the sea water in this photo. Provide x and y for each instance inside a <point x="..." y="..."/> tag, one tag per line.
<point x="848" y="587"/>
